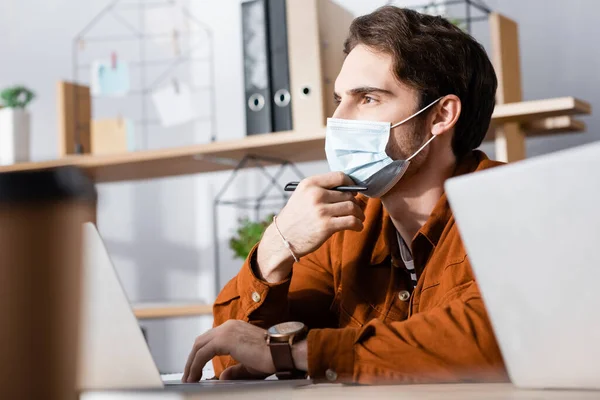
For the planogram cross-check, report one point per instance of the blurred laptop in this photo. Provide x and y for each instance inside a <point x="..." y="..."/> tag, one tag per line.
<point x="114" y="353"/>
<point x="532" y="232"/>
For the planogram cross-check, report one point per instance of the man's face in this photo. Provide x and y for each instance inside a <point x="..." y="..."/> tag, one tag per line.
<point x="366" y="89"/>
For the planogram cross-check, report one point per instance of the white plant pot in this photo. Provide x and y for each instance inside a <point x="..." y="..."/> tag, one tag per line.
<point x="14" y="135"/>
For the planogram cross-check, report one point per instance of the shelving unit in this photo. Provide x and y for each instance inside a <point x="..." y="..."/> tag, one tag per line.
<point x="539" y="116"/>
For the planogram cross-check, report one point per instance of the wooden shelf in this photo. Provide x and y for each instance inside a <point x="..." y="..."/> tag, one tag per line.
<point x="211" y="157"/>
<point x="555" y="125"/>
<point x="545" y="127"/>
<point x="291" y="146"/>
<point x="526" y="111"/>
<point x="170" y="310"/>
<point x="217" y="156"/>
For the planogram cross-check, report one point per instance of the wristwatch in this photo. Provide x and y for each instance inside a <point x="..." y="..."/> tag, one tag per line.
<point x="280" y="339"/>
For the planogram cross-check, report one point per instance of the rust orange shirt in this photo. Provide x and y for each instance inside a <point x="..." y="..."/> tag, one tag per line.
<point x="367" y="324"/>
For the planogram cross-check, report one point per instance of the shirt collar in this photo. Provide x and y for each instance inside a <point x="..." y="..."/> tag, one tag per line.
<point x="441" y="214"/>
<point x="386" y="244"/>
<point x="429" y="235"/>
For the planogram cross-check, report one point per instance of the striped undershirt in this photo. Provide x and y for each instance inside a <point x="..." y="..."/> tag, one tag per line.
<point x="407" y="259"/>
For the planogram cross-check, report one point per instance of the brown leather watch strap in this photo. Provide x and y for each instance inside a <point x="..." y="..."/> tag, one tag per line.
<point x="284" y="362"/>
<point x="282" y="356"/>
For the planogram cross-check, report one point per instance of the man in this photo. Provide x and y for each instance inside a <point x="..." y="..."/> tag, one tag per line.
<point x="383" y="282"/>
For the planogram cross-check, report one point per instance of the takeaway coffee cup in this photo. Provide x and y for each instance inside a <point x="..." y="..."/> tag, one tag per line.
<point x="41" y="217"/>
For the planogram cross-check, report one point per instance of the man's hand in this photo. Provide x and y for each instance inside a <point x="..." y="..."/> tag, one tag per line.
<point x="241" y="340"/>
<point x="245" y="343"/>
<point x="312" y="214"/>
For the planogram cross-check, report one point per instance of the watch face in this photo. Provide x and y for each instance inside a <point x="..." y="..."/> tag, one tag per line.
<point x="285" y="329"/>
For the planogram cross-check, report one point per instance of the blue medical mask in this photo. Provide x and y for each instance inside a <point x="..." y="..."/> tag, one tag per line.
<point x="357" y="148"/>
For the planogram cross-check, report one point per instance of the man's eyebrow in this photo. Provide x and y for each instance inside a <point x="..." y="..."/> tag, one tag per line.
<point x="368" y="89"/>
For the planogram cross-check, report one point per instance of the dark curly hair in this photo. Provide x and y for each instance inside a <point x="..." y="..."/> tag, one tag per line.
<point x="436" y="58"/>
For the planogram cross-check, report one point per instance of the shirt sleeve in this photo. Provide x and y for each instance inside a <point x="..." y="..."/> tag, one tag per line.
<point x="306" y="296"/>
<point x="452" y="342"/>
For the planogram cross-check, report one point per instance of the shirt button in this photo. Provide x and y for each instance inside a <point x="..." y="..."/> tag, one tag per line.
<point x="256" y="297"/>
<point x="404" y="295"/>
<point x="331" y="375"/>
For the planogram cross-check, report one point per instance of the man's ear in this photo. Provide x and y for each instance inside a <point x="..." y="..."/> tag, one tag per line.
<point x="445" y="115"/>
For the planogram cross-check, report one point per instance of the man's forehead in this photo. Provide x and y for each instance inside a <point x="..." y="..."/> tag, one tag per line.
<point x="364" y="67"/>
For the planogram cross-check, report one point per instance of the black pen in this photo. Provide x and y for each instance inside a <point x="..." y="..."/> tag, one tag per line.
<point x="290" y="187"/>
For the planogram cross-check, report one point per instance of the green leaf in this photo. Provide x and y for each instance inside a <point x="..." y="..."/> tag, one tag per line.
<point x="248" y="234"/>
<point x="17" y="97"/>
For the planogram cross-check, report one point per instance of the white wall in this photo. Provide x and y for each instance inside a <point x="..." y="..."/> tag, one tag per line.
<point x="159" y="232"/>
<point x="559" y="57"/>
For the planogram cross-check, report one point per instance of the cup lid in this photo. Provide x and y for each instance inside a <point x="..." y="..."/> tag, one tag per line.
<point x="51" y="184"/>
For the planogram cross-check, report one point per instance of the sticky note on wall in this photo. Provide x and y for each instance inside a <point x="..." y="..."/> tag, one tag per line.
<point x="110" y="78"/>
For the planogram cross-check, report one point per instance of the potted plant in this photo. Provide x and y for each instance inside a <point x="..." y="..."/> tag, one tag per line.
<point x="14" y="124"/>
<point x="247" y="235"/>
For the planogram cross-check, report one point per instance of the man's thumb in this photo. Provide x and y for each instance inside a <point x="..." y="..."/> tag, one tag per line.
<point x="239" y="372"/>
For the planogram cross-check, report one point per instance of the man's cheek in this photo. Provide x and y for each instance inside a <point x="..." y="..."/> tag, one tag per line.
<point x="395" y="149"/>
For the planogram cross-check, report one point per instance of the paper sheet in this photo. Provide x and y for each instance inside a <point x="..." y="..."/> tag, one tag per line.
<point x="173" y="104"/>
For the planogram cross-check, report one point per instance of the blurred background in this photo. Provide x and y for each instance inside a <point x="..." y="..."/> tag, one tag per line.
<point x="160" y="232"/>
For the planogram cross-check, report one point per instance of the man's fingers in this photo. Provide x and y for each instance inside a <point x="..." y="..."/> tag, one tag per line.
<point x="346" y="208"/>
<point x="188" y="364"/>
<point x="348" y="222"/>
<point x="200" y="341"/>
<point x="333" y="196"/>
<point x="202" y="356"/>
<point x="329" y="180"/>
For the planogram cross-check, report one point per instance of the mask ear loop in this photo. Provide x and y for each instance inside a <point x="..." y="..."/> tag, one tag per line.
<point x="422" y="147"/>
<point x="415" y="114"/>
<point x="412" y="116"/>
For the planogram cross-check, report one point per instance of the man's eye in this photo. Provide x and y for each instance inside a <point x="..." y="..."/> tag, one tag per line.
<point x="368" y="100"/>
<point x="337" y="100"/>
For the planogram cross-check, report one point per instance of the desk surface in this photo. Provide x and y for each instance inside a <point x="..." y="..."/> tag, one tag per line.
<point x="325" y="391"/>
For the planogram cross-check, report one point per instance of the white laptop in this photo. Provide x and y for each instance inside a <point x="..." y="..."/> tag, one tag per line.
<point x="532" y="232"/>
<point x="114" y="353"/>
